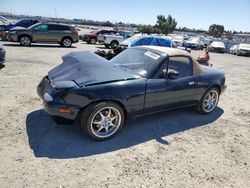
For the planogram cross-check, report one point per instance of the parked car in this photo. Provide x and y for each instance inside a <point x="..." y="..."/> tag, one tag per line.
<point x="127" y="42"/>
<point x="232" y="50"/>
<point x="2" y="54"/>
<point x="63" y="34"/>
<point x="178" y="40"/>
<point x="139" y="81"/>
<point x="114" y="40"/>
<point x="243" y="49"/>
<point x="217" y="46"/>
<point x="91" y="38"/>
<point x="5" y="25"/>
<point x="194" y="43"/>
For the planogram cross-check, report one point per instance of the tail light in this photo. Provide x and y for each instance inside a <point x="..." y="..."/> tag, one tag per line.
<point x="75" y="32"/>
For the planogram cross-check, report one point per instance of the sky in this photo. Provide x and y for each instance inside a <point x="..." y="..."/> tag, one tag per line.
<point x="234" y="15"/>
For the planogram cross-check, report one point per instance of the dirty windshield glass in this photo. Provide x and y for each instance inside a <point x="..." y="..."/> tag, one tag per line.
<point x="138" y="61"/>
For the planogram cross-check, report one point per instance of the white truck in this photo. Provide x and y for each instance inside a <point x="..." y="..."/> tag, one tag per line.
<point x="112" y="41"/>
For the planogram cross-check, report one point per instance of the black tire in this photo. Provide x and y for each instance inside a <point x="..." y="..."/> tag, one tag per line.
<point x="25" y="40"/>
<point x="66" y="42"/>
<point x="114" y="44"/>
<point x="92" y="41"/>
<point x="200" y="107"/>
<point x="92" y="112"/>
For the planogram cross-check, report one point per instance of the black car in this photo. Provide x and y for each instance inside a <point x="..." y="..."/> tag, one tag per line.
<point x="139" y="81"/>
<point x="2" y="54"/>
<point x="26" y="23"/>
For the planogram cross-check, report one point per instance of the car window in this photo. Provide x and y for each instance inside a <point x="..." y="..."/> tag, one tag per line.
<point x="181" y="64"/>
<point x="42" y="27"/>
<point x="161" y="72"/>
<point x="64" y="28"/>
<point x="54" y="27"/>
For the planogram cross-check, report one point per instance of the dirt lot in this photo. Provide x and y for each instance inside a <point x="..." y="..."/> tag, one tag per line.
<point x="174" y="149"/>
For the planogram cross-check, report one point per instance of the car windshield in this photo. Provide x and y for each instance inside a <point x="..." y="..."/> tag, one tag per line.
<point x="95" y="31"/>
<point x="138" y="61"/>
<point x="32" y="26"/>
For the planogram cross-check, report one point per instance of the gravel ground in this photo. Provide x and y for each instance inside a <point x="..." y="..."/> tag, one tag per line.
<point x="174" y="149"/>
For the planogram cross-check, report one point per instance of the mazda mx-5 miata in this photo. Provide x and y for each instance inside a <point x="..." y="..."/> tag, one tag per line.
<point x="101" y="94"/>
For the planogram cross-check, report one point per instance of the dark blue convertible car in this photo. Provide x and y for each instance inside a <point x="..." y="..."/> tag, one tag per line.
<point x="139" y="81"/>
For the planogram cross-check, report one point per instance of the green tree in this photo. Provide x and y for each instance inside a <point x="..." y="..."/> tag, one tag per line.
<point x="216" y="30"/>
<point x="229" y="35"/>
<point x="166" y="25"/>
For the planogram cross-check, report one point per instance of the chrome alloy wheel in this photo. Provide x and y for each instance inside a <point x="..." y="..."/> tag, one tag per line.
<point x="25" y="41"/>
<point x="210" y="101"/>
<point x="67" y="42"/>
<point x="105" y="122"/>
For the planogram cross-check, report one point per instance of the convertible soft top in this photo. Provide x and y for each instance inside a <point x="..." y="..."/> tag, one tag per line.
<point x="197" y="68"/>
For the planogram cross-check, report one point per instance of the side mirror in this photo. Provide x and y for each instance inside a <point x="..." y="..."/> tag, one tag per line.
<point x="173" y="75"/>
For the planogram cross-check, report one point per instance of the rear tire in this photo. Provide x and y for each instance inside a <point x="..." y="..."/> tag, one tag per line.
<point x="209" y="101"/>
<point x="66" y="42"/>
<point x="101" y="121"/>
<point x="92" y="41"/>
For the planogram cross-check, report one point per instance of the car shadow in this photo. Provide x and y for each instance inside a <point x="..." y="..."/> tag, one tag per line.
<point x="35" y="45"/>
<point x="48" y="139"/>
<point x="2" y="66"/>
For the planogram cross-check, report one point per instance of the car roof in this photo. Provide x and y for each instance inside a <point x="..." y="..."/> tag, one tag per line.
<point x="167" y="50"/>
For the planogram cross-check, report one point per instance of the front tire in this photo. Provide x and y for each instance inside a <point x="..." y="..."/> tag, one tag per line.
<point x="209" y="101"/>
<point x="25" y="41"/>
<point x="114" y="44"/>
<point x="101" y="121"/>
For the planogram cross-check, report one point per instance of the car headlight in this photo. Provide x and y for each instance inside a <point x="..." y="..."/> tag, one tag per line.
<point x="47" y="97"/>
<point x="12" y="32"/>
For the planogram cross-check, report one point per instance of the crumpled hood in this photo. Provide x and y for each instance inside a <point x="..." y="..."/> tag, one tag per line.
<point x="86" y="68"/>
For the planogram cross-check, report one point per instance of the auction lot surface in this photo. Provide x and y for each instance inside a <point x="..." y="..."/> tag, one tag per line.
<point x="173" y="149"/>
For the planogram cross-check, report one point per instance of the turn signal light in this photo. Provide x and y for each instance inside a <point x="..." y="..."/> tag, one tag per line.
<point x="64" y="110"/>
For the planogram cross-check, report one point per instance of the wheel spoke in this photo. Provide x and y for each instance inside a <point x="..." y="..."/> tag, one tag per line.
<point x="206" y="105"/>
<point x="97" y="122"/>
<point x="102" y="116"/>
<point x="107" y="129"/>
<point x="109" y="113"/>
<point x="112" y="125"/>
<point x="100" y="129"/>
<point x="113" y="118"/>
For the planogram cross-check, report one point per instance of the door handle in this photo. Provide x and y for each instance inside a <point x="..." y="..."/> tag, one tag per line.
<point x="191" y="83"/>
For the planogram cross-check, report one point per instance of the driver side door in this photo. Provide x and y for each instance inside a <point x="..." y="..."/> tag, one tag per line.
<point x="164" y="93"/>
<point x="40" y="33"/>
